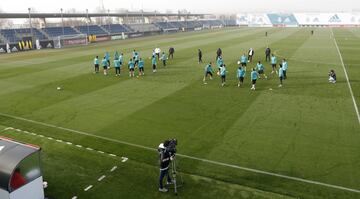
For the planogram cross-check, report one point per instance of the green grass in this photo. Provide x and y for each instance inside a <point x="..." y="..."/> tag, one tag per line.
<point x="308" y="129"/>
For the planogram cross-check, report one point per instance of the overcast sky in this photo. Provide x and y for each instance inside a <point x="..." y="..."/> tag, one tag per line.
<point x="203" y="6"/>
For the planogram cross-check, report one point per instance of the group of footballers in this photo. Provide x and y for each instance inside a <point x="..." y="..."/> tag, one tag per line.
<point x="135" y="62"/>
<point x="257" y="72"/>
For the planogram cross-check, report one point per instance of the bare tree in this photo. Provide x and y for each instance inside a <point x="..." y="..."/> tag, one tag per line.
<point x="100" y="20"/>
<point x="74" y="21"/>
<point x="35" y="22"/>
<point x="5" y="23"/>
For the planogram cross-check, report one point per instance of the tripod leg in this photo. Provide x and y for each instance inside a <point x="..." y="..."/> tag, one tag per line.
<point x="174" y="176"/>
<point x="175" y="185"/>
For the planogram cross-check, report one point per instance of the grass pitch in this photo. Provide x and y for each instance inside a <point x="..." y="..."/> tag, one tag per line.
<point x="299" y="141"/>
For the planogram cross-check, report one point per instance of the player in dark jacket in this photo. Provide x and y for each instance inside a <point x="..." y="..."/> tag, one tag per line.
<point x="218" y="53"/>
<point x="171" y="52"/>
<point x="267" y="54"/>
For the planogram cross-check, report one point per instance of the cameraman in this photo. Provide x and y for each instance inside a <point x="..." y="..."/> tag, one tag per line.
<point x="165" y="158"/>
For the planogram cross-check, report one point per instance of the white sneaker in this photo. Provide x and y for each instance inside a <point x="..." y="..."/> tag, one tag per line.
<point x="280" y="85"/>
<point x="238" y="85"/>
<point x="164" y="190"/>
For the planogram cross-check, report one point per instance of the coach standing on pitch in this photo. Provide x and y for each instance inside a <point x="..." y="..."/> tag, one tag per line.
<point x="251" y="54"/>
<point x="171" y="52"/>
<point x="267" y="54"/>
<point x="218" y="53"/>
<point x="200" y="56"/>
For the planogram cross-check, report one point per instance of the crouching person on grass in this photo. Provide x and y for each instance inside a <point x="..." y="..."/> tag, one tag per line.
<point x="332" y="77"/>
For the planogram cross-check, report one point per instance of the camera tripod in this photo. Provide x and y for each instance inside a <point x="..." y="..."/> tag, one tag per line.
<point x="175" y="175"/>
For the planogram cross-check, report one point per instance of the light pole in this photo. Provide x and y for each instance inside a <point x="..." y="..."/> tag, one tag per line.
<point x="31" y="30"/>
<point x="87" y="20"/>
<point x="143" y="19"/>
<point x="109" y="21"/>
<point x="62" y="21"/>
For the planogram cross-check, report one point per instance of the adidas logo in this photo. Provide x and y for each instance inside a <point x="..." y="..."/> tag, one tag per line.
<point x="335" y="18"/>
<point x="242" y="18"/>
<point x="287" y="20"/>
<point x="14" y="49"/>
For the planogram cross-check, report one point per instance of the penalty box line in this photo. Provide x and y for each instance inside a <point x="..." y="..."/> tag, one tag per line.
<point x="187" y="156"/>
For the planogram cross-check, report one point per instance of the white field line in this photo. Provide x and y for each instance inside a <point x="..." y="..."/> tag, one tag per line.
<point x="123" y="159"/>
<point x="346" y="76"/>
<point x="113" y="169"/>
<point x="189" y="157"/>
<point x="102" y="178"/>
<point x="88" y="188"/>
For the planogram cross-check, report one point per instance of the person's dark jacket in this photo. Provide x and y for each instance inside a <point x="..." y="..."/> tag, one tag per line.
<point x="267" y="51"/>
<point x="164" y="159"/>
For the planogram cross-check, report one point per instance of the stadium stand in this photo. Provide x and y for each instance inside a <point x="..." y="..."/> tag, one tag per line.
<point x="191" y="24"/>
<point x="144" y="27"/>
<point x="211" y="23"/>
<point x="230" y="22"/>
<point x="9" y="34"/>
<point x="15" y="35"/>
<point x="177" y="24"/>
<point x="57" y="31"/>
<point x="166" y="26"/>
<point x="116" y="28"/>
<point x="93" y="30"/>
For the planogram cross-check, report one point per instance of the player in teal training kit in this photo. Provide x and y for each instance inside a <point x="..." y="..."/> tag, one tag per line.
<point x="261" y="70"/>
<point x="141" y="67"/>
<point x="116" y="55"/>
<point x="285" y="67"/>
<point x="254" y="76"/>
<point x="117" y="67"/>
<point x="208" y="72"/>
<point x="136" y="57"/>
<point x="96" y="64"/>
<point x="153" y="62"/>
<point x="131" y="66"/>
<point x="281" y="75"/>
<point x="105" y="63"/>
<point x="223" y="75"/>
<point x="107" y="57"/>
<point x="163" y="58"/>
<point x="121" y="59"/>
<point x="243" y="61"/>
<point x="240" y="75"/>
<point x="219" y="63"/>
<point x="273" y="63"/>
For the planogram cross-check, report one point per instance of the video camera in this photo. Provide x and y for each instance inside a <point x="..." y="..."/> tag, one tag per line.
<point x="169" y="146"/>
